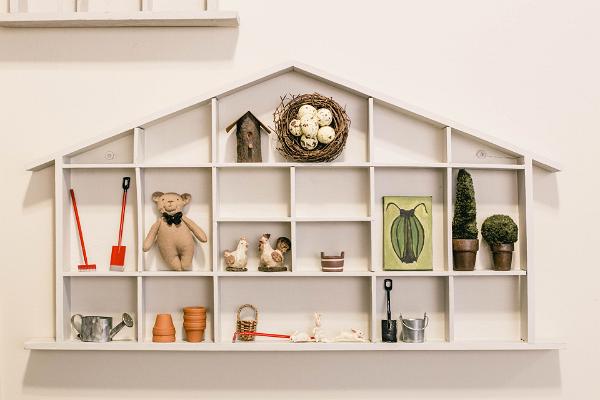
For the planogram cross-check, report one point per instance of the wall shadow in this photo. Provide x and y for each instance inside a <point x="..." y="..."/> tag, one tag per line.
<point x="545" y="188"/>
<point x="101" y="45"/>
<point x="323" y="371"/>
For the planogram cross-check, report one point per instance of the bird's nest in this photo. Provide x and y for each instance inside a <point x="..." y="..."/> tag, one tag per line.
<point x="289" y="145"/>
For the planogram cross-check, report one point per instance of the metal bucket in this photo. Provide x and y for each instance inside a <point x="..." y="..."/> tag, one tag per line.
<point x="413" y="330"/>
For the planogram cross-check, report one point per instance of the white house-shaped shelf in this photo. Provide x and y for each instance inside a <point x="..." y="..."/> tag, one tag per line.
<point x="392" y="149"/>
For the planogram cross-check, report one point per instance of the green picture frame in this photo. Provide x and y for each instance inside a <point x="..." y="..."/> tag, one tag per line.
<point x="407" y="233"/>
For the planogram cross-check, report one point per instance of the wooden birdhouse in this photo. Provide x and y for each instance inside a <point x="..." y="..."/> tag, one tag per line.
<point x="248" y="137"/>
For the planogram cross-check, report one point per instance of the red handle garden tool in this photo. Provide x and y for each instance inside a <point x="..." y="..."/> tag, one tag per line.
<point x="271" y="335"/>
<point x="86" y="266"/>
<point x="117" y="256"/>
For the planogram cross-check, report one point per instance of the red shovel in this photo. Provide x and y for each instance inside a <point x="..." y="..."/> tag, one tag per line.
<point x="86" y="266"/>
<point x="117" y="256"/>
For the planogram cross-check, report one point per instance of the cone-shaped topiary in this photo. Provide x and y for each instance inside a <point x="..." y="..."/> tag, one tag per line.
<point x="499" y="229"/>
<point x="464" y="223"/>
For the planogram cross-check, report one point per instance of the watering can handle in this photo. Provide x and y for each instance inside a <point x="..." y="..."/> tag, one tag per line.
<point x="75" y="325"/>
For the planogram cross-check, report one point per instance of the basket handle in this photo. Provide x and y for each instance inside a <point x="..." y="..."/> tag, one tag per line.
<point x="239" y="311"/>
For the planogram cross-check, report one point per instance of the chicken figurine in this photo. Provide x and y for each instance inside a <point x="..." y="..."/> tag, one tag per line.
<point x="271" y="260"/>
<point x="237" y="259"/>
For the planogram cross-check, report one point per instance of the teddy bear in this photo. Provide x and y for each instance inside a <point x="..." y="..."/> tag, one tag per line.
<point x="173" y="231"/>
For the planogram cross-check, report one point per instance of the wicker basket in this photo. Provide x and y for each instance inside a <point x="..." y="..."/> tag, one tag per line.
<point x="246" y="325"/>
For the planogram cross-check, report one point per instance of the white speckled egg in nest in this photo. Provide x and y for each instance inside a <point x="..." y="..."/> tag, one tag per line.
<point x="306" y="109"/>
<point x="309" y="126"/>
<point x="295" y="128"/>
<point x="325" y="116"/>
<point x="308" y="143"/>
<point x="326" y="134"/>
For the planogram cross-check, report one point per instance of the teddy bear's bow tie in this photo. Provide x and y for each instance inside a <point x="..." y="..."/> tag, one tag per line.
<point x="173" y="219"/>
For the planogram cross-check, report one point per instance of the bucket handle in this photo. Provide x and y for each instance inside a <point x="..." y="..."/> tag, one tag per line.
<point x="425" y="317"/>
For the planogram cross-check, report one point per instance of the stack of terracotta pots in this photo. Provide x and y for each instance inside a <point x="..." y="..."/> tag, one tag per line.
<point x="164" y="330"/>
<point x="194" y="323"/>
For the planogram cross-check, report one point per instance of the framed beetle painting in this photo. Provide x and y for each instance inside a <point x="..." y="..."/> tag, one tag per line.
<point x="407" y="236"/>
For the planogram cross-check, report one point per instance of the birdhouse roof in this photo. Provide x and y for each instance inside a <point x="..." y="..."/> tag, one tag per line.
<point x="258" y="121"/>
<point x="310" y="72"/>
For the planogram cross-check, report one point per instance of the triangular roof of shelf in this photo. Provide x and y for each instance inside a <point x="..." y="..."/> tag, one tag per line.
<point x="542" y="162"/>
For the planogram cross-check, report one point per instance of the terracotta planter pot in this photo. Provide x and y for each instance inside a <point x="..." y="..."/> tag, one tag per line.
<point x="194" y="336"/>
<point x="194" y="317"/>
<point x="188" y="326"/>
<point x="502" y="256"/>
<point x="164" y="321"/>
<point x="163" y="329"/>
<point x="194" y="310"/>
<point x="163" y="339"/>
<point x="464" y="254"/>
<point x="194" y="323"/>
<point x="163" y="332"/>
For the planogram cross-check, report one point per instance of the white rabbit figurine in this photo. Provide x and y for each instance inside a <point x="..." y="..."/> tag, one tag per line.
<point x="317" y="330"/>
<point x="355" y="335"/>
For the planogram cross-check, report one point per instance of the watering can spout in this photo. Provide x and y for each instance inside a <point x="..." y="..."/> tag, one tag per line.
<point x="127" y="321"/>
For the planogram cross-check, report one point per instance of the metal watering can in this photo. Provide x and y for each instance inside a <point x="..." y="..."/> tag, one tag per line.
<point x="98" y="329"/>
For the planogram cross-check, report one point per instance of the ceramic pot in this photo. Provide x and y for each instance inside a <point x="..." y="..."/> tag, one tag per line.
<point x="464" y="252"/>
<point x="163" y="332"/>
<point x="502" y="256"/>
<point x="163" y="321"/>
<point x="163" y="339"/>
<point x="194" y="320"/>
<point x="194" y="335"/>
<point x="192" y="325"/>
<point x="194" y="317"/>
<point x="194" y="310"/>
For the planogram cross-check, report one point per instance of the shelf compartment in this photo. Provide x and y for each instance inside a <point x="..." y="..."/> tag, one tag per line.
<point x="412" y="297"/>
<point x="497" y="192"/>
<point x="399" y="136"/>
<point x="168" y="295"/>
<point x="106" y="6"/>
<point x="487" y="308"/>
<point x="257" y="192"/>
<point x="329" y="193"/>
<point x="104" y="296"/>
<point x="263" y="98"/>
<point x="195" y="181"/>
<point x="287" y="305"/>
<point x="230" y="233"/>
<point x="469" y="150"/>
<point x="411" y="182"/>
<point x="116" y="150"/>
<point x="98" y="193"/>
<point x="353" y="238"/>
<point x="182" y="137"/>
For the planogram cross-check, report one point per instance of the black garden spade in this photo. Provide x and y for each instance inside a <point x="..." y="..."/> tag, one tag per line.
<point x="407" y="234"/>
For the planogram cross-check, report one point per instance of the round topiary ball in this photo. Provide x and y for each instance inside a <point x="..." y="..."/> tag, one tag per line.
<point x="499" y="229"/>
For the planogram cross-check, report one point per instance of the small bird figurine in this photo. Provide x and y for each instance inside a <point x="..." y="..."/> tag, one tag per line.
<point x="238" y="259"/>
<point x="271" y="260"/>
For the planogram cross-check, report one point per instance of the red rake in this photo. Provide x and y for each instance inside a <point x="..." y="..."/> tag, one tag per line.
<point x="117" y="255"/>
<point x="273" y="335"/>
<point x="86" y="266"/>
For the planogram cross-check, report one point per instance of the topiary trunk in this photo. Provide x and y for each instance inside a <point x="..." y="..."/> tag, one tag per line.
<point x="464" y="223"/>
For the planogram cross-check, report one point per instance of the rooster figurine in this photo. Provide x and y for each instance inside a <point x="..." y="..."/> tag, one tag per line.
<point x="238" y="259"/>
<point x="271" y="260"/>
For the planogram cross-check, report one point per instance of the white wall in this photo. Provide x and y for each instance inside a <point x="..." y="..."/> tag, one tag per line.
<point x="525" y="71"/>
